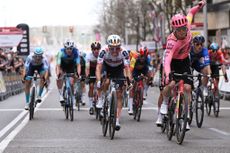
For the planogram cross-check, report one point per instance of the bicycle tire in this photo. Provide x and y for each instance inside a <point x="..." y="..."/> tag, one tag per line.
<point x="140" y="103"/>
<point x="164" y="123"/>
<point x="104" y="119"/>
<point x="199" y="108"/>
<point x="208" y="104"/>
<point x="182" y="115"/>
<point x="135" y="105"/>
<point x="191" y="108"/>
<point x="77" y="99"/>
<point x="70" y="101"/>
<point x="66" y="110"/>
<point x="170" y="122"/>
<point x="216" y="106"/>
<point x="31" y="105"/>
<point x="113" y="115"/>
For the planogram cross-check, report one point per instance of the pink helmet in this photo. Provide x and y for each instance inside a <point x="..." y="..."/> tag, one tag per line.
<point x="179" y="20"/>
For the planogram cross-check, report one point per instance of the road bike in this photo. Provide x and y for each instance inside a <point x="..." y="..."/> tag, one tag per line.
<point x="109" y="109"/>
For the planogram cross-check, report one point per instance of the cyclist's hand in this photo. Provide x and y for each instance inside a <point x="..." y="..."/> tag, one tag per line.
<point x="202" y="3"/>
<point x="98" y="84"/>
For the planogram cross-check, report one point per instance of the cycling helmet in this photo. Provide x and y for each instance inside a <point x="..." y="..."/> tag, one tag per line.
<point x="68" y="43"/>
<point x="179" y="20"/>
<point x="114" y="40"/>
<point x="143" y="51"/>
<point x="95" y="45"/>
<point x="214" y="46"/>
<point x="38" y="51"/>
<point x="198" y="39"/>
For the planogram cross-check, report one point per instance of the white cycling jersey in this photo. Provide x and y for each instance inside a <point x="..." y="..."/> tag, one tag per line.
<point x="113" y="61"/>
<point x="31" y="60"/>
<point x="91" y="60"/>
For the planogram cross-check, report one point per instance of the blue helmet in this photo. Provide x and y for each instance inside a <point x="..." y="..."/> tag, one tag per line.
<point x="38" y="51"/>
<point x="198" y="39"/>
<point x="214" y="46"/>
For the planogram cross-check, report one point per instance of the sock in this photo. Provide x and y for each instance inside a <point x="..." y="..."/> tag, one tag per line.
<point x="165" y="100"/>
<point x="27" y="98"/>
<point x="60" y="91"/>
<point x="90" y="101"/>
<point x="40" y="92"/>
<point x="130" y="103"/>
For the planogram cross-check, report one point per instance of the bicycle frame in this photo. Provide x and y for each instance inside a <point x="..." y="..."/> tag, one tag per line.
<point x="179" y="88"/>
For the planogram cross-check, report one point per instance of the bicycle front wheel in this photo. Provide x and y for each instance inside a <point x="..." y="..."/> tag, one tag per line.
<point x="181" y="121"/>
<point x="216" y="106"/>
<point x="113" y="115"/>
<point x="199" y="108"/>
<point x="140" y="103"/>
<point x="70" y="101"/>
<point x="32" y="103"/>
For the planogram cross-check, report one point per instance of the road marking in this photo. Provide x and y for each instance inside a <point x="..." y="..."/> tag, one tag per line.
<point x="11" y="110"/>
<point x="4" y="143"/>
<point x="12" y="123"/>
<point x="219" y="131"/>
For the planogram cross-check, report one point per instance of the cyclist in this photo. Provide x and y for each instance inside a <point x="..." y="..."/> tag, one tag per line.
<point x="35" y="62"/>
<point x="200" y="60"/>
<point x="217" y="57"/>
<point x="83" y="75"/>
<point x="176" y="57"/>
<point x="91" y="63"/>
<point x="161" y="87"/>
<point x="114" y="58"/>
<point x="139" y="65"/>
<point x="68" y="61"/>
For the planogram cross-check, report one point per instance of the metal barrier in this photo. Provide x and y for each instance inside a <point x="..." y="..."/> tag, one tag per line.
<point x="10" y="84"/>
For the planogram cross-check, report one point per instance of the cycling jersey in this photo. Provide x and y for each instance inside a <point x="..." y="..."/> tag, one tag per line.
<point x="32" y="64"/>
<point x="199" y="60"/>
<point x="216" y="57"/>
<point x="113" y="61"/>
<point x="68" y="62"/>
<point x="179" y="49"/>
<point x="137" y="63"/>
<point x="31" y="61"/>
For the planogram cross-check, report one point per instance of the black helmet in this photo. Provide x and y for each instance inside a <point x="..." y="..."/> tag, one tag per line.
<point x="95" y="45"/>
<point x="198" y="39"/>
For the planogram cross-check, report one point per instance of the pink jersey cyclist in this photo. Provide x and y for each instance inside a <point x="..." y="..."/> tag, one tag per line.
<point x="177" y="50"/>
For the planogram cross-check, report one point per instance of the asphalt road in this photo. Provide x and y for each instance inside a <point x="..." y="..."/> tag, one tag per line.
<point x="50" y="132"/>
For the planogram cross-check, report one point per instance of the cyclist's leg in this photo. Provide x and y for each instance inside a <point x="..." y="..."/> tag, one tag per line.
<point x="91" y="88"/>
<point x="28" y="78"/>
<point x="43" y="74"/>
<point x="59" y="82"/>
<point x="206" y="71"/>
<point x="72" y="82"/>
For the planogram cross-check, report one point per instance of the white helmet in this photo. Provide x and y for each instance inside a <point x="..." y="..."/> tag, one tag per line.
<point x="69" y="43"/>
<point x="114" y="40"/>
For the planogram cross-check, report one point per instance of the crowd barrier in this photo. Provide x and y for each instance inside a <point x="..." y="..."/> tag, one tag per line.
<point x="10" y="84"/>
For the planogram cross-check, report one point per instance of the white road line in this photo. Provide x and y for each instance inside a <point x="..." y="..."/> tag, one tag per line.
<point x="219" y="131"/>
<point x="4" y="143"/>
<point x="12" y="123"/>
<point x="11" y="110"/>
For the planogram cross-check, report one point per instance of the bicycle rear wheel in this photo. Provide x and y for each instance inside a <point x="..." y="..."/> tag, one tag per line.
<point x="32" y="102"/>
<point x="199" y="108"/>
<point x="140" y="103"/>
<point x="208" y="104"/>
<point x="216" y="106"/>
<point x="78" y="99"/>
<point x="113" y="115"/>
<point x="181" y="121"/>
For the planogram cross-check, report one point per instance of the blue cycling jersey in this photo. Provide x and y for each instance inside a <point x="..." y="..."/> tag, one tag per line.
<point x="199" y="60"/>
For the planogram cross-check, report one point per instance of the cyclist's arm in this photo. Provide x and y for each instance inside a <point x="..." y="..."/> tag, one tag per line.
<point x="194" y="10"/>
<point x="100" y="61"/>
<point x="167" y="57"/>
<point x="78" y="65"/>
<point x="87" y="64"/>
<point x="126" y="62"/>
<point x="58" y="62"/>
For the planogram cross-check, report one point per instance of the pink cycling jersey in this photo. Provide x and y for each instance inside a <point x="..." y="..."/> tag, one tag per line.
<point x="179" y="49"/>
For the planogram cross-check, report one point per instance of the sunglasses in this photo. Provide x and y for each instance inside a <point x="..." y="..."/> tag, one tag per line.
<point x="69" y="48"/>
<point x="96" y="48"/>
<point x="182" y="29"/>
<point x="114" y="48"/>
<point x="198" y="44"/>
